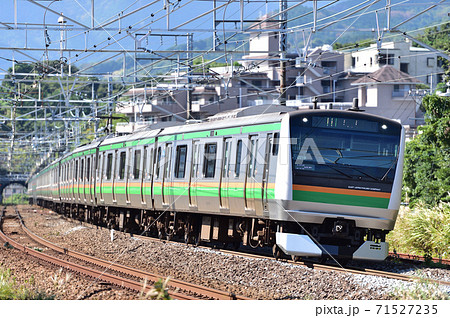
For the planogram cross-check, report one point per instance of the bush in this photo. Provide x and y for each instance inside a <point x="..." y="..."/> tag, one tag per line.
<point x="16" y="199"/>
<point x="10" y="290"/>
<point x="427" y="156"/>
<point x="423" y="231"/>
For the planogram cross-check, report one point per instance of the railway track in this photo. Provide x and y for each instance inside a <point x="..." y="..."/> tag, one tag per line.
<point x="190" y="291"/>
<point x="417" y="258"/>
<point x="337" y="268"/>
<point x="351" y="270"/>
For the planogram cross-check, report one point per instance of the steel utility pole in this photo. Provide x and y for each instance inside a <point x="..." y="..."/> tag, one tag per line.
<point x="283" y="47"/>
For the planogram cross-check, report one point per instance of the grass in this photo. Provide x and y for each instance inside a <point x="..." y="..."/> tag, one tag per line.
<point x="160" y="291"/>
<point x="421" y="290"/>
<point x="422" y="231"/>
<point x="11" y="290"/>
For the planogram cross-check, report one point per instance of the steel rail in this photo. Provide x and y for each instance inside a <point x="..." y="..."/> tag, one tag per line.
<point x="113" y="279"/>
<point x="201" y="290"/>
<point x="349" y="269"/>
<point x="410" y="257"/>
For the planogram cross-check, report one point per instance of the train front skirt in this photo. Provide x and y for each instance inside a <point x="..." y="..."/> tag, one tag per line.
<point x="303" y="245"/>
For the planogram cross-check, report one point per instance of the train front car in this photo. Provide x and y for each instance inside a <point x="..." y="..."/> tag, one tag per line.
<point x="346" y="173"/>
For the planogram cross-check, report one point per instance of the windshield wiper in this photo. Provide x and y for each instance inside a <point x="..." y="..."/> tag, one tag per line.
<point x="390" y="168"/>
<point x="338" y="170"/>
<point x="366" y="174"/>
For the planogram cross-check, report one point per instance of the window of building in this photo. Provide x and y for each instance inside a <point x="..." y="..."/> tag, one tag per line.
<point x="209" y="165"/>
<point x="326" y="86"/>
<point x="257" y="83"/>
<point x="329" y="67"/>
<point x="386" y="59"/>
<point x="430" y="61"/>
<point x="404" y="67"/>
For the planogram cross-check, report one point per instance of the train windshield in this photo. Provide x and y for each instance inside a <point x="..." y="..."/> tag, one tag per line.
<point x="345" y="147"/>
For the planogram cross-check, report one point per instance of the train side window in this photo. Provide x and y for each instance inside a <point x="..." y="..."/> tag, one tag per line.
<point x="237" y="167"/>
<point x="88" y="169"/>
<point x="122" y="162"/>
<point x="168" y="157"/>
<point x="76" y="170"/>
<point x="82" y="170"/>
<point x="158" y="162"/>
<point x="276" y="143"/>
<point x="253" y="148"/>
<point x="144" y="163"/>
<point x="226" y="158"/>
<point x="109" y="159"/>
<point x="151" y="158"/>
<point x="180" y="161"/>
<point x="209" y="164"/>
<point x="137" y="164"/>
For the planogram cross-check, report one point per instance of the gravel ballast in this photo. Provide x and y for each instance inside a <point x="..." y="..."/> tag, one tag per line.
<point x="254" y="278"/>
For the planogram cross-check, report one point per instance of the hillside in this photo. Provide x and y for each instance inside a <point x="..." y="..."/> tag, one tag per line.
<point x="358" y="27"/>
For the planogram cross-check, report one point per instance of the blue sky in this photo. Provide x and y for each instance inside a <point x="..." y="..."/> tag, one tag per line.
<point x="80" y="10"/>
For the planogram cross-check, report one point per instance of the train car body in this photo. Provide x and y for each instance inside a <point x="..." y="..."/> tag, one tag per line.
<point x="308" y="183"/>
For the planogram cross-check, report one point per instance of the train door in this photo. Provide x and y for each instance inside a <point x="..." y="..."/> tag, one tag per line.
<point x="100" y="174"/>
<point x="82" y="181"/>
<point x="225" y="175"/>
<point x="149" y="176"/>
<point x="88" y="180"/>
<point x="157" y="176"/>
<point x="265" y="179"/>
<point x="144" y="175"/>
<point x="92" y="179"/>
<point x="166" y="182"/>
<point x="108" y="187"/>
<point x="134" y="188"/>
<point x="129" y="175"/>
<point x="251" y="184"/>
<point x="76" y="186"/>
<point x="114" y="175"/>
<point x="194" y="173"/>
<point x="120" y="182"/>
<point x="58" y="179"/>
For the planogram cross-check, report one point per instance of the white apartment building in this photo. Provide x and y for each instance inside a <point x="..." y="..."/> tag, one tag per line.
<point x="319" y="74"/>
<point x="419" y="63"/>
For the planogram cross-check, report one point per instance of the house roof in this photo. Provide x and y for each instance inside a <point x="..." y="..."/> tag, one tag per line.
<point x="386" y="75"/>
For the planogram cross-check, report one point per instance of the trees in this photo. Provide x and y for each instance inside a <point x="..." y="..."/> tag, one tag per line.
<point x="438" y="37"/>
<point x="427" y="157"/>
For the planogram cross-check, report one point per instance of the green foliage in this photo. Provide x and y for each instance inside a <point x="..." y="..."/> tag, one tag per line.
<point x="158" y="292"/>
<point x="16" y="199"/>
<point x="423" y="231"/>
<point x="438" y="38"/>
<point x="10" y="290"/>
<point x="358" y="44"/>
<point x="427" y="156"/>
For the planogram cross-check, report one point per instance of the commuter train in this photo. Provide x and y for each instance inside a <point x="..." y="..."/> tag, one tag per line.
<point x="307" y="183"/>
